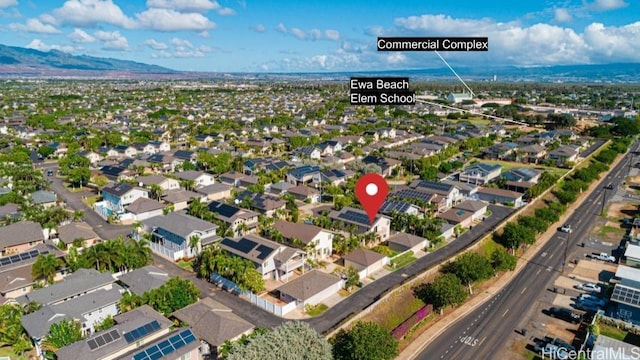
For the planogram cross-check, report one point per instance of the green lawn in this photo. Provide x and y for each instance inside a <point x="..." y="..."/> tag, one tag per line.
<point x="612" y="229"/>
<point x="316" y="310"/>
<point x="489" y="246"/>
<point x="91" y="200"/>
<point x="612" y="332"/>
<point x="402" y="260"/>
<point x="186" y="265"/>
<point x="508" y="165"/>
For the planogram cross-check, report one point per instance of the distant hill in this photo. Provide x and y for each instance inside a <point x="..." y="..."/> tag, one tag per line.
<point x="29" y="62"/>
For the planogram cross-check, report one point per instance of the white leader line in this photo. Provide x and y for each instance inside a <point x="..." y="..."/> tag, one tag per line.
<point x="472" y="112"/>
<point x="454" y="73"/>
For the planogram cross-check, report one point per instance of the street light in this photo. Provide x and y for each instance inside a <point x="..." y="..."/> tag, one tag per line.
<point x="604" y="196"/>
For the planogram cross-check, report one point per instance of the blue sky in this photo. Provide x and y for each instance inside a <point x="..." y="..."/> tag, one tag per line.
<point x="284" y="35"/>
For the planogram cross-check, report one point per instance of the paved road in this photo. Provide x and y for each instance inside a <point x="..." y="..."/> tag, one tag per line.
<point x="323" y="323"/>
<point x="369" y="294"/>
<point x="483" y="333"/>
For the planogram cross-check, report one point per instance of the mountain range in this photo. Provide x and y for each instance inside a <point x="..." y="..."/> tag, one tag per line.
<point x="24" y="62"/>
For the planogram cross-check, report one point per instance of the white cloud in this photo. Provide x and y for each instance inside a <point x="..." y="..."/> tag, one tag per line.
<point x="396" y="58"/>
<point x="315" y="34"/>
<point x="204" y="34"/>
<point x="333" y="35"/>
<point x="80" y="36"/>
<point x="258" y="28"/>
<point x="298" y="33"/>
<point x="35" y="26"/>
<point x="171" y="20"/>
<point x="37" y="44"/>
<point x="112" y="40"/>
<point x="8" y="3"/>
<point x="156" y="45"/>
<point x="87" y="13"/>
<point x="562" y="15"/>
<point x="604" y="5"/>
<point x="226" y="11"/>
<point x="281" y="28"/>
<point x="184" y="5"/>
<point x="181" y="43"/>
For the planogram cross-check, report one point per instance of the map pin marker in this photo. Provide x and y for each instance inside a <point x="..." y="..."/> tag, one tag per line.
<point x="371" y="190"/>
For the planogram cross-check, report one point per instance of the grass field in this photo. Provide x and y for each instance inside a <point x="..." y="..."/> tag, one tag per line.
<point x="91" y="200"/>
<point x="186" y="265"/>
<point x="508" y="165"/>
<point x="392" y="311"/>
<point x="317" y="310"/>
<point x="402" y="260"/>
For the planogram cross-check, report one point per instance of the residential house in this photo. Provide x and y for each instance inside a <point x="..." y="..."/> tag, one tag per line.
<point x="478" y="209"/>
<point x="145" y="148"/>
<point x="390" y="206"/>
<point x="480" y="173"/>
<point x="116" y="196"/>
<point x="92" y="156"/>
<point x="449" y="192"/>
<point x="502" y="151"/>
<point x="358" y="219"/>
<point x="15" y="270"/>
<point x="304" y="193"/>
<point x="20" y="237"/>
<point x="317" y="242"/>
<point x="534" y="153"/>
<point x="306" y="152"/>
<point x="279" y="188"/>
<point x="214" y="324"/>
<point x="626" y="293"/>
<point x="180" y="199"/>
<point x="144" y="208"/>
<point x="232" y="178"/>
<point x="455" y="216"/>
<point x="302" y="174"/>
<point x="131" y="331"/>
<point x="172" y="235"/>
<point x="272" y="260"/>
<point x="265" y="204"/>
<point x="500" y="196"/>
<point x="44" y="198"/>
<point x="239" y="220"/>
<point x="124" y="150"/>
<point x="77" y="230"/>
<point x="144" y="279"/>
<point x="466" y="190"/>
<point x="160" y="146"/>
<point x="430" y="199"/>
<point x="163" y="182"/>
<point x="401" y="242"/>
<point x="164" y="162"/>
<point x="215" y="191"/>
<point x="366" y="261"/>
<point x="10" y="212"/>
<point x="387" y="165"/>
<point x="565" y="154"/>
<point x="86" y="296"/>
<point x="522" y="174"/>
<point x="199" y="178"/>
<point x="116" y="172"/>
<point x="311" y="288"/>
<point x="632" y="255"/>
<point x="333" y="177"/>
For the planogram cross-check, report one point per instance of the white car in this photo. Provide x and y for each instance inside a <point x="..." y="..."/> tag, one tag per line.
<point x="589" y="287"/>
<point x="566" y="228"/>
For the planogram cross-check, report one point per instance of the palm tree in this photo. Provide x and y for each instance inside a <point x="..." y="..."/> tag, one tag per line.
<point x="195" y="244"/>
<point x="30" y="307"/>
<point x="197" y="208"/>
<point x="242" y="228"/>
<point x="129" y="302"/>
<point x="142" y="250"/>
<point x="46" y="267"/>
<point x="60" y="335"/>
<point x="136" y="226"/>
<point x="167" y="209"/>
<point x="156" y="191"/>
<point x="78" y="215"/>
<point x="188" y="184"/>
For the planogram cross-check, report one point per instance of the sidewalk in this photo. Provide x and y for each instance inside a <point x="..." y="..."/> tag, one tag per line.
<point x="441" y="324"/>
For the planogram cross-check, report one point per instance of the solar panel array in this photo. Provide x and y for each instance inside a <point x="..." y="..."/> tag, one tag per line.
<point x="626" y="295"/>
<point x="264" y="251"/>
<point x="412" y="194"/>
<point x="354" y="216"/>
<point x="142" y="331"/>
<point x="223" y="209"/>
<point x="104" y="339"/>
<point x="14" y="259"/>
<point x="390" y="206"/>
<point x="243" y="245"/>
<point x="167" y="346"/>
<point x="434" y="185"/>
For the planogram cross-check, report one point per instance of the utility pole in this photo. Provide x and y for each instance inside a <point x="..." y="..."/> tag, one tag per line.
<point x="566" y="249"/>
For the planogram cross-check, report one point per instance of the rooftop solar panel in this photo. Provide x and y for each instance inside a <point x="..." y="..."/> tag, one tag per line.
<point x="353" y="216"/>
<point x="626" y="295"/>
<point x="243" y="245"/>
<point x="166" y="347"/>
<point x="103" y="339"/>
<point x="142" y="331"/>
<point x="92" y="344"/>
<point x="14" y="259"/>
<point x="264" y="251"/>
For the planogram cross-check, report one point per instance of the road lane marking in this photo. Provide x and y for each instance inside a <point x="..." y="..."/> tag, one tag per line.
<point x="505" y="312"/>
<point x="523" y="290"/>
<point x="551" y="257"/>
<point x="538" y="271"/>
<point x="481" y="341"/>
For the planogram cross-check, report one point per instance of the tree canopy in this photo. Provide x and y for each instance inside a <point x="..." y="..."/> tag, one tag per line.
<point x="445" y="290"/>
<point x="364" y="341"/>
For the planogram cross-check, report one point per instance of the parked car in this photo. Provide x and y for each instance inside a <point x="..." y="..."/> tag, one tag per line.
<point x="566" y="228"/>
<point x="588" y="306"/>
<point x="604" y="257"/>
<point x="565" y="314"/>
<point x="589" y="287"/>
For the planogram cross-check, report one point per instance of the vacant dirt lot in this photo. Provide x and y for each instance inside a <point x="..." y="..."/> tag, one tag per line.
<point x="594" y="270"/>
<point x="621" y="210"/>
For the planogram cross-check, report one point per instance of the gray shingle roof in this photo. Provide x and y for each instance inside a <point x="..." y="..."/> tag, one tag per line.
<point x="363" y="257"/>
<point x="74" y="230"/>
<point x="144" y="279"/>
<point x="180" y="224"/>
<point x="143" y="205"/>
<point x="81" y="281"/>
<point x="309" y="284"/>
<point x="22" y="232"/>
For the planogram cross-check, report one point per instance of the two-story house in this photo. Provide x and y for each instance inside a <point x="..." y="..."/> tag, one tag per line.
<point x="450" y="193"/>
<point x="177" y="235"/>
<point x="240" y="221"/>
<point x="302" y="174"/>
<point x="317" y="242"/>
<point x="357" y="219"/>
<point x="19" y="237"/>
<point x="117" y="196"/>
<point x="480" y="173"/>
<point x="199" y="178"/>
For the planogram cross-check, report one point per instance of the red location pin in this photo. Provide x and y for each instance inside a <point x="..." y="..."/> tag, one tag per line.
<point x="371" y="191"/>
